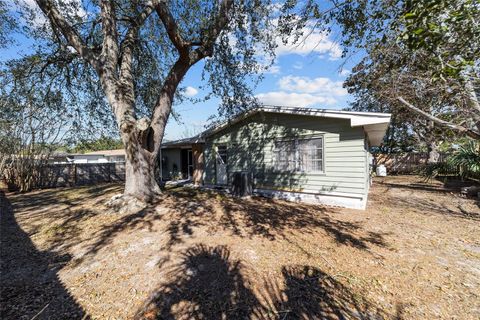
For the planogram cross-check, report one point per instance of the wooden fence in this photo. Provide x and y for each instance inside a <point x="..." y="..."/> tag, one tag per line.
<point x="78" y="174"/>
<point x="405" y="163"/>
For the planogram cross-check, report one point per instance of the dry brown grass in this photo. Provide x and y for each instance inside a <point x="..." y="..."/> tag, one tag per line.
<point x="413" y="254"/>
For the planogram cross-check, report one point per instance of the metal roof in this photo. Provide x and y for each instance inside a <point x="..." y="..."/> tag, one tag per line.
<point x="108" y="153"/>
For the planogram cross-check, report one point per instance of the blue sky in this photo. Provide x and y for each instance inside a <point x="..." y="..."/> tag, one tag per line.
<point x="310" y="74"/>
<point x="307" y="74"/>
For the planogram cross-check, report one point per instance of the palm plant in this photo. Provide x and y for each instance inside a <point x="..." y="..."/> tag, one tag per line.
<point x="467" y="160"/>
<point x="465" y="163"/>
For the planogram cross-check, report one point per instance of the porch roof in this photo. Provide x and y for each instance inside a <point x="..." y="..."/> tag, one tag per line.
<point x="199" y="138"/>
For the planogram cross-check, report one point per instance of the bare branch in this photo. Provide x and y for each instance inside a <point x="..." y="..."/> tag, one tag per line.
<point x="471" y="133"/>
<point x="73" y="37"/>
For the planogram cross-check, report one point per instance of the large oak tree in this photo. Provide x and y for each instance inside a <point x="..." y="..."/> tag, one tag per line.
<point x="131" y="56"/>
<point x="128" y="58"/>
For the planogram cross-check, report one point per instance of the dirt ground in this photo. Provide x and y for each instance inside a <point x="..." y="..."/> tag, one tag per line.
<point x="413" y="254"/>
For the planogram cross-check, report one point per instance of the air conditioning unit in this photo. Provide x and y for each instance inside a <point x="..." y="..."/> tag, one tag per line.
<point x="242" y="184"/>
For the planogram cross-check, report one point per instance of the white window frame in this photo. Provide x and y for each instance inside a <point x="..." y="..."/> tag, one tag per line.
<point x="224" y="153"/>
<point x="296" y="150"/>
<point x="288" y="161"/>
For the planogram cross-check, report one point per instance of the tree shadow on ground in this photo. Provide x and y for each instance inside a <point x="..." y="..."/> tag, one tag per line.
<point x="61" y="211"/>
<point x="140" y="219"/>
<point x="207" y="284"/>
<point x="262" y="217"/>
<point x="41" y="198"/>
<point x="306" y="292"/>
<point x="417" y="200"/>
<point x="30" y="286"/>
<point x="183" y="210"/>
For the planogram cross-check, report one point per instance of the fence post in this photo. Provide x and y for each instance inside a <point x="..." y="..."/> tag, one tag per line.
<point x="74" y="174"/>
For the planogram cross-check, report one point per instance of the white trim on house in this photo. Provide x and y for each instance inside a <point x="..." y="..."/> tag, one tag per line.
<point x="333" y="199"/>
<point x="328" y="199"/>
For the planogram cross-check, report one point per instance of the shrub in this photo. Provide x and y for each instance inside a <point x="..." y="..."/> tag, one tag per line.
<point x="464" y="163"/>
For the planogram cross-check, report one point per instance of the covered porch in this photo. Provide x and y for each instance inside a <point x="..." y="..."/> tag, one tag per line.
<point x="183" y="160"/>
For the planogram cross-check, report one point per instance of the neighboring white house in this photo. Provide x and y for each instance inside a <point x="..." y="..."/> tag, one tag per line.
<point x="103" y="156"/>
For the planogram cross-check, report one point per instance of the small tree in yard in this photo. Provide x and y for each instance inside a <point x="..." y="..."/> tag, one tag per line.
<point x="31" y="123"/>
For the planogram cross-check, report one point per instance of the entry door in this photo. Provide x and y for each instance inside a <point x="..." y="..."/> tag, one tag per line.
<point x="222" y="165"/>
<point x="190" y="163"/>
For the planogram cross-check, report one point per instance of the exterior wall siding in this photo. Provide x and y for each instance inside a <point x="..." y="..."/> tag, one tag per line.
<point x="250" y="146"/>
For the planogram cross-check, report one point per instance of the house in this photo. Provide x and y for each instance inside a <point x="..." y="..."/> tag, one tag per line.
<point x="183" y="159"/>
<point x="301" y="154"/>
<point x="103" y="156"/>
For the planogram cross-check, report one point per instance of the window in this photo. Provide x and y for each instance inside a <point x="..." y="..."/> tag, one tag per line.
<point x="310" y="155"/>
<point x="285" y="159"/>
<point x="222" y="154"/>
<point x="303" y="155"/>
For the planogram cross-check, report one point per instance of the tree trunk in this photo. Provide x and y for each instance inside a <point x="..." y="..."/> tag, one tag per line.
<point x="140" y="156"/>
<point x="140" y="180"/>
<point x="433" y="154"/>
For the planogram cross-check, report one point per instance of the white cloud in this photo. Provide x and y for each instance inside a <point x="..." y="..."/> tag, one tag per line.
<point x="298" y="65"/>
<point x="345" y="72"/>
<point x="282" y="98"/>
<point x="313" y="42"/>
<point x="304" y="91"/>
<point x="315" y="85"/>
<point x="191" y="91"/>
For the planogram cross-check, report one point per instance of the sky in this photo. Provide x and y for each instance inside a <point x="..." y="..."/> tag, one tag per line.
<point x="309" y="74"/>
<point x="306" y="75"/>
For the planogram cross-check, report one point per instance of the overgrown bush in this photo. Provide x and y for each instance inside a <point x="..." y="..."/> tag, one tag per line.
<point x="464" y="163"/>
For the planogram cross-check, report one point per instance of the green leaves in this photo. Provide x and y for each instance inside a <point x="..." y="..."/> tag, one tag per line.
<point x="467" y="159"/>
<point x="449" y="30"/>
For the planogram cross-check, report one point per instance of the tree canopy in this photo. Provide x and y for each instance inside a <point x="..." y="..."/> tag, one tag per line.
<point x="123" y="61"/>
<point x="427" y="62"/>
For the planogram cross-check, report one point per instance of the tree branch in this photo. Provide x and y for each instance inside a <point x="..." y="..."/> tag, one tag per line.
<point x="127" y="46"/>
<point x="220" y="22"/>
<point x="472" y="95"/>
<point x="110" y="37"/>
<point x="171" y="26"/>
<point x="187" y="59"/>
<point x="471" y="133"/>
<point x="71" y="35"/>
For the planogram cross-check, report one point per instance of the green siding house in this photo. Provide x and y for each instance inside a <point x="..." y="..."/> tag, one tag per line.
<point x="298" y="154"/>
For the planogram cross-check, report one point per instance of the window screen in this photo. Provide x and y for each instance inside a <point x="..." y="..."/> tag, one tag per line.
<point x="285" y="155"/>
<point x="305" y="155"/>
<point x="310" y="154"/>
